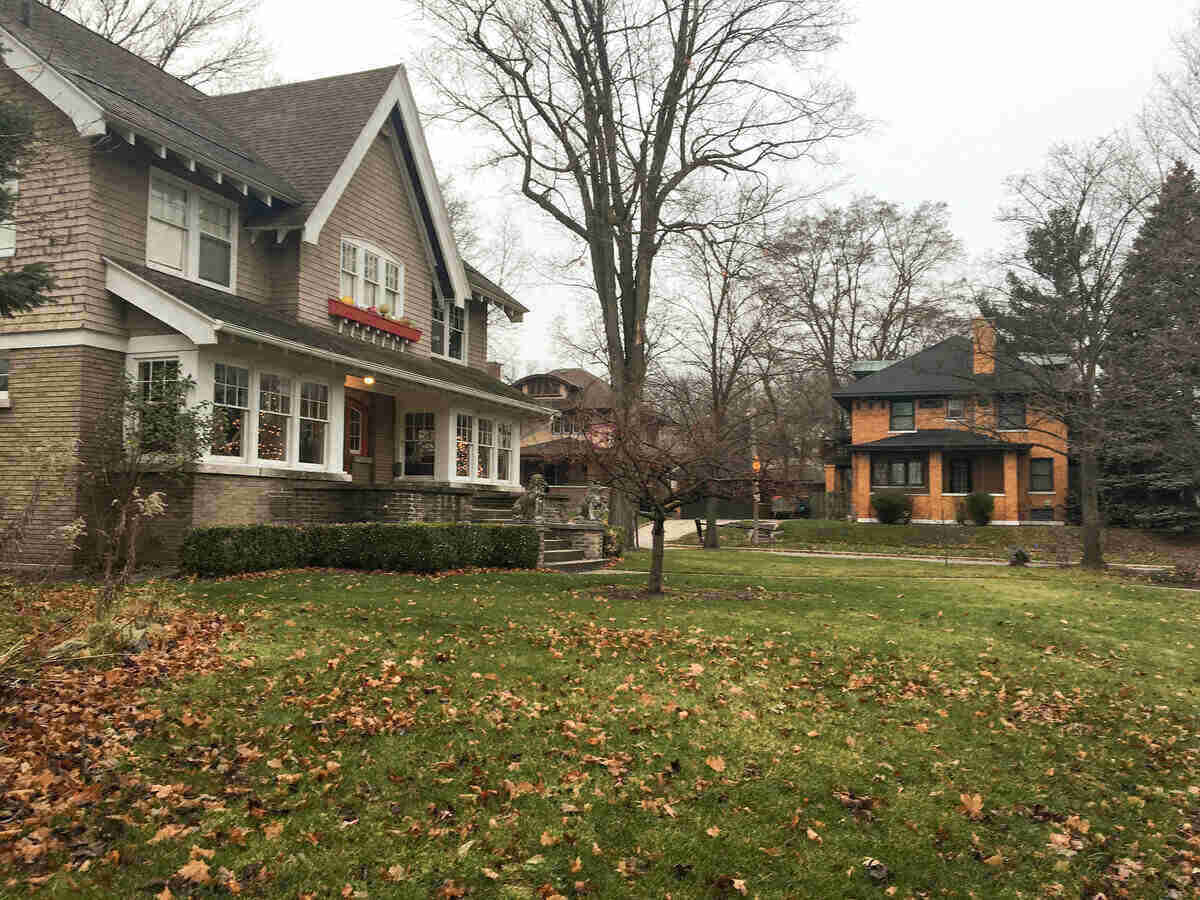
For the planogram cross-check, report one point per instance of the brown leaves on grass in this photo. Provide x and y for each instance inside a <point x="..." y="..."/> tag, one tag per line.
<point x="716" y="763"/>
<point x="972" y="806"/>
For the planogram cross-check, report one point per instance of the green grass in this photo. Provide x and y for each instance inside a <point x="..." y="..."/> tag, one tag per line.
<point x="516" y="733"/>
<point x="1044" y="542"/>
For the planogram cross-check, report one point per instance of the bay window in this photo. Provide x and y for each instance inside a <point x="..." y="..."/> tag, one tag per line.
<point x="448" y="331"/>
<point x="464" y="445"/>
<point x="191" y="232"/>
<point x="314" y="422"/>
<point x="231" y="402"/>
<point x="371" y="279"/>
<point x="420" y="444"/>
<point x="484" y="449"/>
<point x="274" y="417"/>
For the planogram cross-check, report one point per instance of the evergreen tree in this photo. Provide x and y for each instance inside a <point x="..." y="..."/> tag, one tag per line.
<point x="21" y="289"/>
<point x="1151" y="375"/>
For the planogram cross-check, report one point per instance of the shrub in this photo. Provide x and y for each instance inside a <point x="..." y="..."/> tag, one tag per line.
<point x="1018" y="556"/>
<point x="980" y="507"/>
<point x="892" y="507"/>
<point x="394" y="547"/>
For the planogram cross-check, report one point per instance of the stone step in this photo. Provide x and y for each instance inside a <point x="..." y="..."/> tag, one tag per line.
<point x="493" y="501"/>
<point x="563" y="555"/>
<point x="555" y="544"/>
<point x="576" y="565"/>
<point x="479" y="514"/>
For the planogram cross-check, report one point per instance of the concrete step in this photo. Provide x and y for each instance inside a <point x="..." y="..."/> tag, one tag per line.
<point x="479" y="514"/>
<point x="563" y="555"/>
<point x="576" y="565"/>
<point x="493" y="501"/>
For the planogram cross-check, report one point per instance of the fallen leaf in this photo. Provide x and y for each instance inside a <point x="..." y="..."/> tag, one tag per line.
<point x="972" y="805"/>
<point x="713" y="832"/>
<point x="716" y="763"/>
<point x="273" y="831"/>
<point x="195" y="871"/>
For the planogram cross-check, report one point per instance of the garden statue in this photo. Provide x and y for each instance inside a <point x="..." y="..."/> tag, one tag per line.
<point x="595" y="505"/>
<point x="530" y="505"/>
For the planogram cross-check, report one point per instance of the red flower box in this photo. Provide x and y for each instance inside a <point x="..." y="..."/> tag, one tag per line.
<point x="342" y="310"/>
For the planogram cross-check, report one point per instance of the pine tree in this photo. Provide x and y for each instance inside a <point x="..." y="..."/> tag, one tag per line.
<point x="21" y="289"/>
<point x="1151" y="377"/>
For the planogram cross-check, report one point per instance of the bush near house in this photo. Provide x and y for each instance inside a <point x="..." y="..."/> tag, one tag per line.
<point x="892" y="507"/>
<point x="373" y="546"/>
<point x="980" y="507"/>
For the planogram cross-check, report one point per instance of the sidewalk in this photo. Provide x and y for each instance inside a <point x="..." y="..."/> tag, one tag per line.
<point x="673" y="530"/>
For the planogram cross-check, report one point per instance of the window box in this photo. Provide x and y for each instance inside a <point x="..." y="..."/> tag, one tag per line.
<point x="340" y="310"/>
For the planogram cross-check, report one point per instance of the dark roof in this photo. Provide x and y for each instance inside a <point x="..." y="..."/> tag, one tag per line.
<point x="592" y="392"/>
<point x="940" y="439"/>
<point x="248" y="314"/>
<point x="138" y="93"/>
<point x="304" y="130"/>
<point x="486" y="285"/>
<point x="555" y="448"/>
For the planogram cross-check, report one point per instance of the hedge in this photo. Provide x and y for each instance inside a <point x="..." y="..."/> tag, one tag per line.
<point x="235" y="549"/>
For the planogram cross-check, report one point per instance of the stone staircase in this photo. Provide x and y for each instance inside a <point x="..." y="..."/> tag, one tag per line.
<point x="559" y="551"/>
<point x="492" y="506"/>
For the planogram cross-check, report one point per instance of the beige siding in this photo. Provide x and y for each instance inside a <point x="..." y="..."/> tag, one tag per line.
<point x="374" y="208"/>
<point x="477" y="335"/>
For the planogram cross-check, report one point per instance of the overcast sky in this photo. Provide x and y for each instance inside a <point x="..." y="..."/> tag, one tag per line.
<point x="963" y="93"/>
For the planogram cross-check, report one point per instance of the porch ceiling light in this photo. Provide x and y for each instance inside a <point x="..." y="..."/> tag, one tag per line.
<point x="369" y="380"/>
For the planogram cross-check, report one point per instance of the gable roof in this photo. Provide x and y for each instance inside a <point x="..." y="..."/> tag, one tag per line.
<point x="220" y="311"/>
<point x="591" y="391"/>
<point x="514" y="309"/>
<point x="71" y="64"/>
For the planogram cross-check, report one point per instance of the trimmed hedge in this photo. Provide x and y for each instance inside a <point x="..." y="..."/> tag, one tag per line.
<point x="235" y="549"/>
<point x="892" y="507"/>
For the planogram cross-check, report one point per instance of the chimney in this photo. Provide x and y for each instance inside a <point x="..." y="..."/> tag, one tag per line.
<point x="983" y="347"/>
<point x="494" y="369"/>
<point x="27" y="13"/>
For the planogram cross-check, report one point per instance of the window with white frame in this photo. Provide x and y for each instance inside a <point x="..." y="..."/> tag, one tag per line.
<point x="191" y="232"/>
<point x="448" y="332"/>
<point x="566" y="423"/>
<point x="274" y="416"/>
<point x="464" y="445"/>
<point x="485" y="449"/>
<point x="155" y="378"/>
<point x="4" y="370"/>
<point x="420" y="444"/>
<point x="371" y="279"/>
<point x="504" y="434"/>
<point x="956" y="409"/>
<point x="8" y="227"/>
<point x="314" y="423"/>
<point x="231" y="403"/>
<point x="356" y="428"/>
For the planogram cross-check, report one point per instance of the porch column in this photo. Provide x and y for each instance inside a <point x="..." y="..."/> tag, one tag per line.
<point x="861" y="486"/>
<point x="935" y="488"/>
<point x="1012" y="490"/>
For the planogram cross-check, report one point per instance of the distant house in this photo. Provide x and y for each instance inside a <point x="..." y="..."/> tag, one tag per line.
<point x="941" y="424"/>
<point x="288" y="250"/>
<point x="580" y="399"/>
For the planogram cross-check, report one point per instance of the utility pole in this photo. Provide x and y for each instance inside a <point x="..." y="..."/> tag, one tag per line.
<point x="756" y="465"/>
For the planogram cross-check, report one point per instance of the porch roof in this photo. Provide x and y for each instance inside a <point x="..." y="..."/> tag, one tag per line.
<point x="221" y="311"/>
<point x="941" y="439"/>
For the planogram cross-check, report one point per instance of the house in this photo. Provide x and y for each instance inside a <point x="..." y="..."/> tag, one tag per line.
<point x="942" y="424"/>
<point x="580" y="400"/>
<point x="287" y="249"/>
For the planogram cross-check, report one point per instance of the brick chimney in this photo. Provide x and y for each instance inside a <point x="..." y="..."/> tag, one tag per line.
<point x="494" y="369"/>
<point x="983" y="347"/>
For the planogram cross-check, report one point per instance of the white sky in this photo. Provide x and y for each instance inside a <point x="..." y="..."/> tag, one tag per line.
<point x="963" y="93"/>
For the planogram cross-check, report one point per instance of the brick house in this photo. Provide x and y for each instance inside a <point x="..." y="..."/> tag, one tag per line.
<point x="286" y="248"/>
<point x="942" y="424"/>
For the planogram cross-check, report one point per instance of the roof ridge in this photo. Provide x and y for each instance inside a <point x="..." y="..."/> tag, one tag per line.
<point x="43" y="8"/>
<point x="287" y="84"/>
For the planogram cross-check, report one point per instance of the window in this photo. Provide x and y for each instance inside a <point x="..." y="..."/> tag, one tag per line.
<point x="504" y="453"/>
<point x="464" y="445"/>
<point x="191" y="232"/>
<point x="959" y="481"/>
<point x="8" y="227"/>
<point x="484" y="449"/>
<point x="1041" y="475"/>
<point x="544" y="387"/>
<point x="420" y="444"/>
<point x="903" y="416"/>
<point x="231" y="400"/>
<point x="314" y="422"/>
<point x="356" y="428"/>
<point x="956" y="409"/>
<point x="4" y="369"/>
<point x="1010" y="413"/>
<point x="567" y="423"/>
<point x="447" y="336"/>
<point x="274" y="416"/>
<point x="898" y="471"/>
<point x="370" y="279"/>
<point x="155" y="377"/>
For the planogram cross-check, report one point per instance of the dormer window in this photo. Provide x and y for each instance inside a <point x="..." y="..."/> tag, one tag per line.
<point x="448" y="332"/>
<point x="370" y="279"/>
<point x="191" y="232"/>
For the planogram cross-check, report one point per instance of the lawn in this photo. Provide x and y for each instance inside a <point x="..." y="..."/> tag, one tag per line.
<point x="1053" y="543"/>
<point x="762" y="729"/>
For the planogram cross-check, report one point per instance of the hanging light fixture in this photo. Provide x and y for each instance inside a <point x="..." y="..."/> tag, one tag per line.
<point x="369" y="380"/>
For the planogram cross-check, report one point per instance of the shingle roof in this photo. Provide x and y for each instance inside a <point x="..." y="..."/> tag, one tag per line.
<point x="487" y="286"/>
<point x="941" y="438"/>
<point x="138" y="93"/>
<point x="248" y="314"/>
<point x="596" y="393"/>
<point x="304" y="129"/>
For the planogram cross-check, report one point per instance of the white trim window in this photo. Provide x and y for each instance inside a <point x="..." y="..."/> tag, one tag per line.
<point x="420" y="444"/>
<point x="956" y="409"/>
<point x="485" y="449"/>
<point x="4" y="372"/>
<point x="231" y="403"/>
<point x="504" y="442"/>
<point x="314" y="423"/>
<point x="8" y="227"/>
<point x="448" y="330"/>
<point x="369" y="278"/>
<point x="356" y="421"/>
<point x="464" y="445"/>
<point x="153" y="376"/>
<point x="191" y="232"/>
<point x="274" y="417"/>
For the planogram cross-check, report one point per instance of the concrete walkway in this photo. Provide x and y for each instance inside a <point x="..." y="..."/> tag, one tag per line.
<point x="673" y="530"/>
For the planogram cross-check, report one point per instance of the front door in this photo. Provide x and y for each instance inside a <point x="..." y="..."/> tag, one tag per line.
<point x="357" y="434"/>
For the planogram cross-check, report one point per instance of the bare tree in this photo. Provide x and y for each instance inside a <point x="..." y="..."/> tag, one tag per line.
<point x="207" y="43"/>
<point x="615" y="113"/>
<point x="1170" y="121"/>
<point x="864" y="281"/>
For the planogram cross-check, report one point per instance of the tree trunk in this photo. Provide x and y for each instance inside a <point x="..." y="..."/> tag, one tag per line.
<point x="622" y="515"/>
<point x="712" y="540"/>
<point x="655" y="585"/>
<point x="1093" y="553"/>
